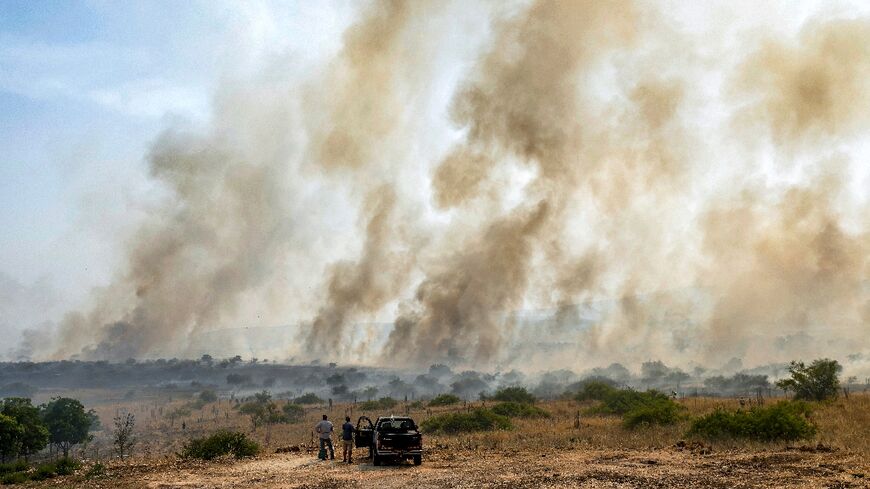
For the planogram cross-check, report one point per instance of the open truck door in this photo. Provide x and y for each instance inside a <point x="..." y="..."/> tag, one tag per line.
<point x="364" y="432"/>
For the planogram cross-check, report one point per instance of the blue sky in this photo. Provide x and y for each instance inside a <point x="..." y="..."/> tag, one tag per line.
<point x="84" y="87"/>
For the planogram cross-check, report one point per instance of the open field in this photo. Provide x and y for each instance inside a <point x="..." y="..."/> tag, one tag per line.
<point x="537" y="453"/>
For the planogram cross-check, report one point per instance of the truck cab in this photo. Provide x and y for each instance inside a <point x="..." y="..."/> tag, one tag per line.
<point x="390" y="438"/>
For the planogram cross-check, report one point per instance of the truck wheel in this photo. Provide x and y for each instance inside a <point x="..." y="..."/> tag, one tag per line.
<point x="418" y="459"/>
<point x="376" y="461"/>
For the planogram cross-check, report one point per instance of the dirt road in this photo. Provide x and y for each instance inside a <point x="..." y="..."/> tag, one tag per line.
<point x="674" y="467"/>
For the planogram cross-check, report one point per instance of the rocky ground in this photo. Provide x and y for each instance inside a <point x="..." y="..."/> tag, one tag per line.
<point x="679" y="466"/>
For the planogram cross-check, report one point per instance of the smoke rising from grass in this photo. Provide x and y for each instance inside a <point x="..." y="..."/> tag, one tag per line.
<point x="587" y="163"/>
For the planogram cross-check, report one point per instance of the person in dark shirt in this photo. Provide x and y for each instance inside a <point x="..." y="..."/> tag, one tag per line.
<point x="347" y="430"/>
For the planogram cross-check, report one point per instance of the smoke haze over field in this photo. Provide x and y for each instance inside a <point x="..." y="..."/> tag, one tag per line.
<point x="649" y="190"/>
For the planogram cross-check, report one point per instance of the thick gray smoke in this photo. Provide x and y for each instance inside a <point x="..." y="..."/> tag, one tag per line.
<point x="592" y="163"/>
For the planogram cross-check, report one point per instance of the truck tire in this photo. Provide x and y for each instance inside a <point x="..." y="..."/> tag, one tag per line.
<point x="418" y="459"/>
<point x="376" y="461"/>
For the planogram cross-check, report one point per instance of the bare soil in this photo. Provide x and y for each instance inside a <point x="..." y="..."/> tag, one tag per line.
<point x="679" y="466"/>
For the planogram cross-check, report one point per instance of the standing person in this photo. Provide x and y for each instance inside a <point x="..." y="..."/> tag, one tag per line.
<point x="324" y="431"/>
<point x="347" y="430"/>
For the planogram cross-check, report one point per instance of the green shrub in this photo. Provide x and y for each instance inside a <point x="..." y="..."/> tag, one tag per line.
<point x="595" y="391"/>
<point x="621" y="401"/>
<point x="309" y="398"/>
<point x="293" y="412"/>
<point x="657" y="411"/>
<point x="15" y="478"/>
<point x="96" y="471"/>
<point x="444" y="400"/>
<point x="66" y="466"/>
<point x="17" y="466"/>
<point x="517" y="410"/>
<point x="514" y="394"/>
<point x="477" y="420"/>
<point x="785" y="420"/>
<point x="382" y="403"/>
<point x="221" y="443"/>
<point x="43" y="472"/>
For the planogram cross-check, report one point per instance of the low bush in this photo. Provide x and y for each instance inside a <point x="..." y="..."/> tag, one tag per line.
<point x="219" y="444"/>
<point x="382" y="403"/>
<point x="309" y="398"/>
<point x="518" y="410"/>
<point x="477" y="420"/>
<point x="621" y="401"/>
<point x="785" y="420"/>
<point x="444" y="400"/>
<point x="293" y="412"/>
<point x="595" y="390"/>
<point x="18" y="466"/>
<point x="96" y="471"/>
<point x="15" y="478"/>
<point x="514" y="394"/>
<point x="657" y="411"/>
<point x="66" y="466"/>
<point x="43" y="472"/>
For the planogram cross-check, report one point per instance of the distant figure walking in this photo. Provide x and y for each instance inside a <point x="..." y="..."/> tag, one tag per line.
<point x="347" y="430"/>
<point x="324" y="431"/>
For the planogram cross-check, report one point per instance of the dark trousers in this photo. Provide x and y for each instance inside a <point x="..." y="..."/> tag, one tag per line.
<point x="327" y="442"/>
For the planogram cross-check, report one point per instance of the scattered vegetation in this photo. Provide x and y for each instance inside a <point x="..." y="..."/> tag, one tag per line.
<point x="519" y="410"/>
<point x="476" y="420"/>
<point x="514" y="394"/>
<point x="380" y="404"/>
<point x="220" y="444"/>
<point x="444" y="400"/>
<point x="786" y="421"/>
<point x="817" y="382"/>
<point x="22" y="472"/>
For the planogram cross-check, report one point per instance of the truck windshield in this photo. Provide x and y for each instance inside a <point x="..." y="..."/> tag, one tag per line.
<point x="396" y="425"/>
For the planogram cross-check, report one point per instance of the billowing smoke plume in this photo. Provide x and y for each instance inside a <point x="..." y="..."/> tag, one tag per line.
<point x="597" y="186"/>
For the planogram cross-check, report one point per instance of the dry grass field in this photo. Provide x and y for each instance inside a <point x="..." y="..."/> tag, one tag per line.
<point x="537" y="453"/>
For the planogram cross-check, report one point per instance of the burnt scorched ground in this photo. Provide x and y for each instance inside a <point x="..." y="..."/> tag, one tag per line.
<point x="673" y="467"/>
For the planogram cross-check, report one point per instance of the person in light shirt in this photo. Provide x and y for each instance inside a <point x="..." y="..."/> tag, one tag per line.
<point x="324" y="431"/>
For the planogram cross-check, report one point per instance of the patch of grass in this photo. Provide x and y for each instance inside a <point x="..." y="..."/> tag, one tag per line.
<point x="444" y="400"/>
<point x="518" y="410"/>
<point x="514" y="394"/>
<point x="477" y="420"/>
<point x="379" y="404"/>
<point x="785" y="420"/>
<point x="219" y="444"/>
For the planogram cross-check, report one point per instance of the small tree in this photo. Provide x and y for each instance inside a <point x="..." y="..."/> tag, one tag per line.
<point x="34" y="435"/>
<point x="67" y="423"/>
<point x="10" y="437"/>
<point x="123" y="435"/>
<point x="815" y="382"/>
